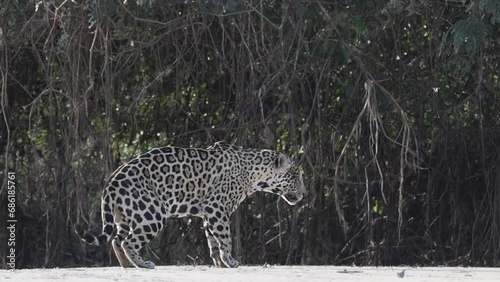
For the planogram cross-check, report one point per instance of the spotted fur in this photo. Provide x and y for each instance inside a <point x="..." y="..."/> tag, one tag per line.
<point x="175" y="182"/>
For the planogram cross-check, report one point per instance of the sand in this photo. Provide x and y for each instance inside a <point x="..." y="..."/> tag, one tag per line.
<point x="254" y="274"/>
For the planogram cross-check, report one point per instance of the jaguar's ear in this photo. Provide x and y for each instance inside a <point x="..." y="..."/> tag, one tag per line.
<point x="280" y="160"/>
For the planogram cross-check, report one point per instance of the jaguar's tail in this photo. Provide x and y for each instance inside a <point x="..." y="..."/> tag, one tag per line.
<point x="108" y="225"/>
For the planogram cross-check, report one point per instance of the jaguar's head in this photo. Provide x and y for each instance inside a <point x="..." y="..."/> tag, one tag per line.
<point x="282" y="177"/>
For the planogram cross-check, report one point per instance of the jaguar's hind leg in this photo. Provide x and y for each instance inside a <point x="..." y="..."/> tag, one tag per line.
<point x="138" y="238"/>
<point x="117" y="241"/>
<point x="214" y="247"/>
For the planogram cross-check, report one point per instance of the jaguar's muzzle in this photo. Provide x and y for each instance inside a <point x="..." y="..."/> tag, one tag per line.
<point x="292" y="198"/>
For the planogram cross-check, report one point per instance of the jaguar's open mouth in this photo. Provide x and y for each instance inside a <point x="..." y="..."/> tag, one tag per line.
<point x="292" y="198"/>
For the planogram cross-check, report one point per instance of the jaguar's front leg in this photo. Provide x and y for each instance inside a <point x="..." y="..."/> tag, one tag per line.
<point x="218" y="227"/>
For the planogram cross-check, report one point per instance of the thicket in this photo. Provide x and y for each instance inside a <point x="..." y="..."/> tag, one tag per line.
<point x="391" y="107"/>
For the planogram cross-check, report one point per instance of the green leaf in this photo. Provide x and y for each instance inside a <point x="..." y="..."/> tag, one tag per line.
<point x="468" y="35"/>
<point x="359" y="25"/>
<point x="98" y="11"/>
<point x="491" y="7"/>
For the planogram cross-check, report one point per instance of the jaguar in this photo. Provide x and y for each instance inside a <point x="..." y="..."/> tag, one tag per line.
<point x="173" y="182"/>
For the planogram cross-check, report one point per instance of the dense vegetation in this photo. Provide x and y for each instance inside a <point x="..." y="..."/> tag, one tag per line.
<point x="391" y="107"/>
